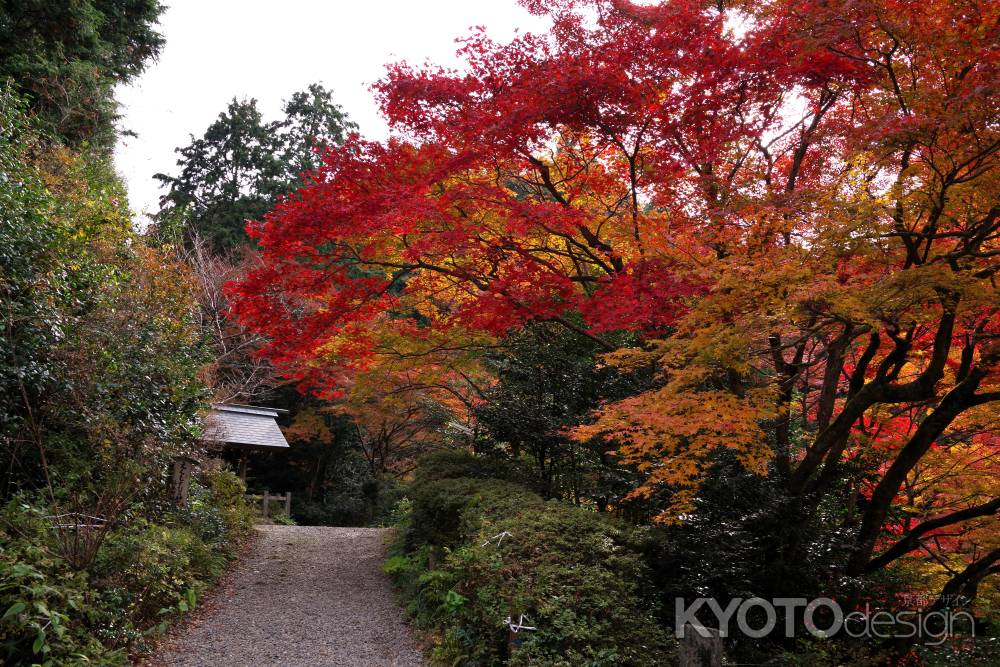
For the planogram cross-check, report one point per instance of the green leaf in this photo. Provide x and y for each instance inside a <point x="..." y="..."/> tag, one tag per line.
<point x="14" y="609"/>
<point x="39" y="642"/>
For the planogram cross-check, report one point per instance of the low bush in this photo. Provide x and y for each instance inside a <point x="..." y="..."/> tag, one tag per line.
<point x="458" y="464"/>
<point x="154" y="568"/>
<point x="44" y="611"/>
<point x="474" y="552"/>
<point x="217" y="508"/>
<point x="150" y="568"/>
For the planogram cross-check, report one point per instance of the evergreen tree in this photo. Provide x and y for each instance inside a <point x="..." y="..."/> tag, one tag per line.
<point x="237" y="170"/>
<point x="67" y="58"/>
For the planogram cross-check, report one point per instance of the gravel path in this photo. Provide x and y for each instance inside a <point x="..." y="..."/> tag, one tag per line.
<point x="304" y="596"/>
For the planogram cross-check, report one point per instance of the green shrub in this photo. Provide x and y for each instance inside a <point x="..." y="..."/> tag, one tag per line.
<point x="47" y="611"/>
<point x="227" y="496"/>
<point x="41" y="610"/>
<point x="151" y="567"/>
<point x="576" y="575"/>
<point x="218" y="512"/>
<point x="437" y="510"/>
<point x="203" y="515"/>
<point x="455" y="464"/>
<point x="460" y="463"/>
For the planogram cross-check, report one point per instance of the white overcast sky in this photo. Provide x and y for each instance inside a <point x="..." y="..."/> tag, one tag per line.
<point x="267" y="49"/>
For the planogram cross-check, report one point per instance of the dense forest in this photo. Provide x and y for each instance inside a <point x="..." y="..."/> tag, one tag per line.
<point x="676" y="306"/>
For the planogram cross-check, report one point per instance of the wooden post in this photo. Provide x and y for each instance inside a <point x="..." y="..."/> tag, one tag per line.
<point x="265" y="504"/>
<point x="181" y="485"/>
<point x="176" y="488"/>
<point x="513" y="641"/>
<point x="432" y="558"/>
<point x="187" y="467"/>
<point x="697" y="650"/>
<point x="242" y="470"/>
<point x="288" y="503"/>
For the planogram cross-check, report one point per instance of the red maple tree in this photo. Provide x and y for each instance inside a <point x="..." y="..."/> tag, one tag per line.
<point x="794" y="203"/>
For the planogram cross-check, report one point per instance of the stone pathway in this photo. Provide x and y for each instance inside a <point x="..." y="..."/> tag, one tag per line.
<point x="304" y="596"/>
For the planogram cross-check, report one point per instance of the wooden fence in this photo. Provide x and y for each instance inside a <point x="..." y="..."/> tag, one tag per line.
<point x="270" y="500"/>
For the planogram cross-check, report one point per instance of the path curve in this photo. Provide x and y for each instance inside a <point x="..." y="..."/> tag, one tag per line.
<point x="304" y="596"/>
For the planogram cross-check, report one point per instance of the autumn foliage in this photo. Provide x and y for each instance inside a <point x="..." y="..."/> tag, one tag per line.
<point x="794" y="205"/>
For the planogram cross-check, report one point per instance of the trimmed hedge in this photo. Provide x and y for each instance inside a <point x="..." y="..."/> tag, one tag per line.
<point x="576" y="575"/>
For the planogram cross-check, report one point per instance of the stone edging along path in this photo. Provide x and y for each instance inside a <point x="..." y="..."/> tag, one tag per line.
<point x="303" y="596"/>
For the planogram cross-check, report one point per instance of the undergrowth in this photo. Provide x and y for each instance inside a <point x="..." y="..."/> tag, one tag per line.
<point x="473" y="552"/>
